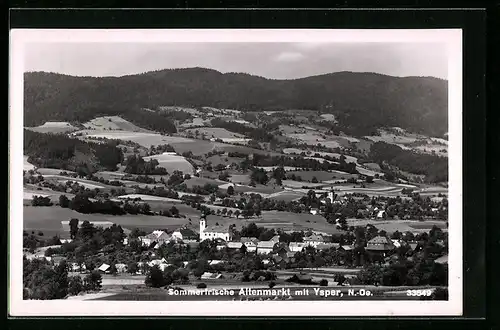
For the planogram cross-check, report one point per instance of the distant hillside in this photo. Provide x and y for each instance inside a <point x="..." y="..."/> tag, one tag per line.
<point x="417" y="104"/>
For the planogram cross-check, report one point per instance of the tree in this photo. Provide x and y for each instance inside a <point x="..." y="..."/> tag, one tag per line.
<point x="369" y="179"/>
<point x="259" y="176"/>
<point x="132" y="267"/>
<point x="63" y="201"/>
<point x="230" y="190"/>
<point x="75" y="285"/>
<point x="73" y="228"/>
<point x="314" y="180"/>
<point x="61" y="271"/>
<point x="279" y="174"/>
<point x="154" y="277"/>
<point x="92" y="282"/>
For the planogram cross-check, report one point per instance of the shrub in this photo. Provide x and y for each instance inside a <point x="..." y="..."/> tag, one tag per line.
<point x="323" y="282"/>
<point x="272" y="284"/>
<point x="201" y="286"/>
<point x="75" y="285"/>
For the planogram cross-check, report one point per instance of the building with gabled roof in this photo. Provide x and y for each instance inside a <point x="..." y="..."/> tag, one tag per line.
<point x="104" y="268"/>
<point x="234" y="245"/>
<point x="265" y="247"/>
<point x="250" y="243"/>
<point x="380" y="243"/>
<point x="184" y="233"/>
<point x="313" y="240"/>
<point x="296" y="246"/>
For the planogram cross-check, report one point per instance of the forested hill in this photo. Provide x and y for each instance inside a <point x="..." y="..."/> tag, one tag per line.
<point x="418" y="104"/>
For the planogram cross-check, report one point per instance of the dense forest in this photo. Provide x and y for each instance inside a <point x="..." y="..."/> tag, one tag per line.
<point x="257" y="134"/>
<point x="60" y="151"/>
<point x="417" y="104"/>
<point x="434" y="168"/>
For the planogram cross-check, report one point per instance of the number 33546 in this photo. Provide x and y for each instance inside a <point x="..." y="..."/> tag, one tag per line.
<point x="418" y="293"/>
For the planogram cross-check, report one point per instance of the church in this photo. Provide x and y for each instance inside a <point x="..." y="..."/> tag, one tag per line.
<point x="214" y="232"/>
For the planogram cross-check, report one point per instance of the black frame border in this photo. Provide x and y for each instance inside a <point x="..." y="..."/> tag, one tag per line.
<point x="473" y="22"/>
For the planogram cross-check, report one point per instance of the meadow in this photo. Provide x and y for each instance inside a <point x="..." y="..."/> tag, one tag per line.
<point x="54" y="127"/>
<point x="172" y="163"/>
<point x="48" y="219"/>
<point x="113" y="123"/>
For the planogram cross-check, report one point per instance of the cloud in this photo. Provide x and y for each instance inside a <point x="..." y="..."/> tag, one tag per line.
<point x="309" y="45"/>
<point x="289" y="57"/>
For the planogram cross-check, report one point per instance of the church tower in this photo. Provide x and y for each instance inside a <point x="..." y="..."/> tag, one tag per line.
<point x="203" y="225"/>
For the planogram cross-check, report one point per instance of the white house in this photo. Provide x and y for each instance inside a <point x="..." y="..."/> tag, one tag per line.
<point x="314" y="211"/>
<point x="266" y="247"/>
<point x="214" y="232"/>
<point x="234" y="245"/>
<point x="313" y="240"/>
<point x="104" y="268"/>
<point x="158" y="236"/>
<point x="121" y="268"/>
<point x="381" y="214"/>
<point x="250" y="243"/>
<point x="296" y="246"/>
<point x="184" y="233"/>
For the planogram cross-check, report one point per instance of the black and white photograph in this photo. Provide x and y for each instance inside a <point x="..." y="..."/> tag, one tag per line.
<point x="235" y="172"/>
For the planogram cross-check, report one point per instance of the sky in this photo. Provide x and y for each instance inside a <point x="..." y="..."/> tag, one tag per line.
<point x="269" y="60"/>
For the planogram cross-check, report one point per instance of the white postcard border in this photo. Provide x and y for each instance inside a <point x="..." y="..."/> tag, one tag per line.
<point x="19" y="307"/>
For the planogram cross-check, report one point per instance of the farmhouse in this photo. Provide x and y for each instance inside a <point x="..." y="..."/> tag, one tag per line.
<point x="234" y="245"/>
<point x="265" y="247"/>
<point x="275" y="238"/>
<point x="104" y="268"/>
<point x="380" y="244"/>
<point x="214" y="232"/>
<point x="211" y="276"/>
<point x="121" y="268"/>
<point x="250" y="243"/>
<point x="184" y="233"/>
<point x="157" y="236"/>
<point x="314" y="240"/>
<point x="296" y="246"/>
<point x="314" y="211"/>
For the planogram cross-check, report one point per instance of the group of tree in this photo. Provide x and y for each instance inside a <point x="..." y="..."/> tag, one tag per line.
<point x="59" y="151"/>
<point x="83" y="204"/>
<point x="435" y="168"/>
<point x="255" y="133"/>
<point x="298" y="162"/>
<point x="135" y="164"/>
<point x="41" y="201"/>
<point x="43" y="280"/>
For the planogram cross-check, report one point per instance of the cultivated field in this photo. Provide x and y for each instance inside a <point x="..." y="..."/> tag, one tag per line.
<point x="144" y="139"/>
<point x="286" y="195"/>
<point x="149" y="198"/>
<point x="172" y="163"/>
<point x="215" y="132"/>
<point x="53" y="127"/>
<point x="113" y="123"/>
<point x="48" y="220"/>
<point x="314" y="139"/>
<point x="391" y="226"/>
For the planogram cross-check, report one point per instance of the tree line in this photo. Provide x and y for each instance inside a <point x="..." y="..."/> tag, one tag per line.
<point x="58" y="151"/>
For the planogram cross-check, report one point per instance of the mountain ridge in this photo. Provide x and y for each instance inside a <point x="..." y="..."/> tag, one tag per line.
<point x="359" y="100"/>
